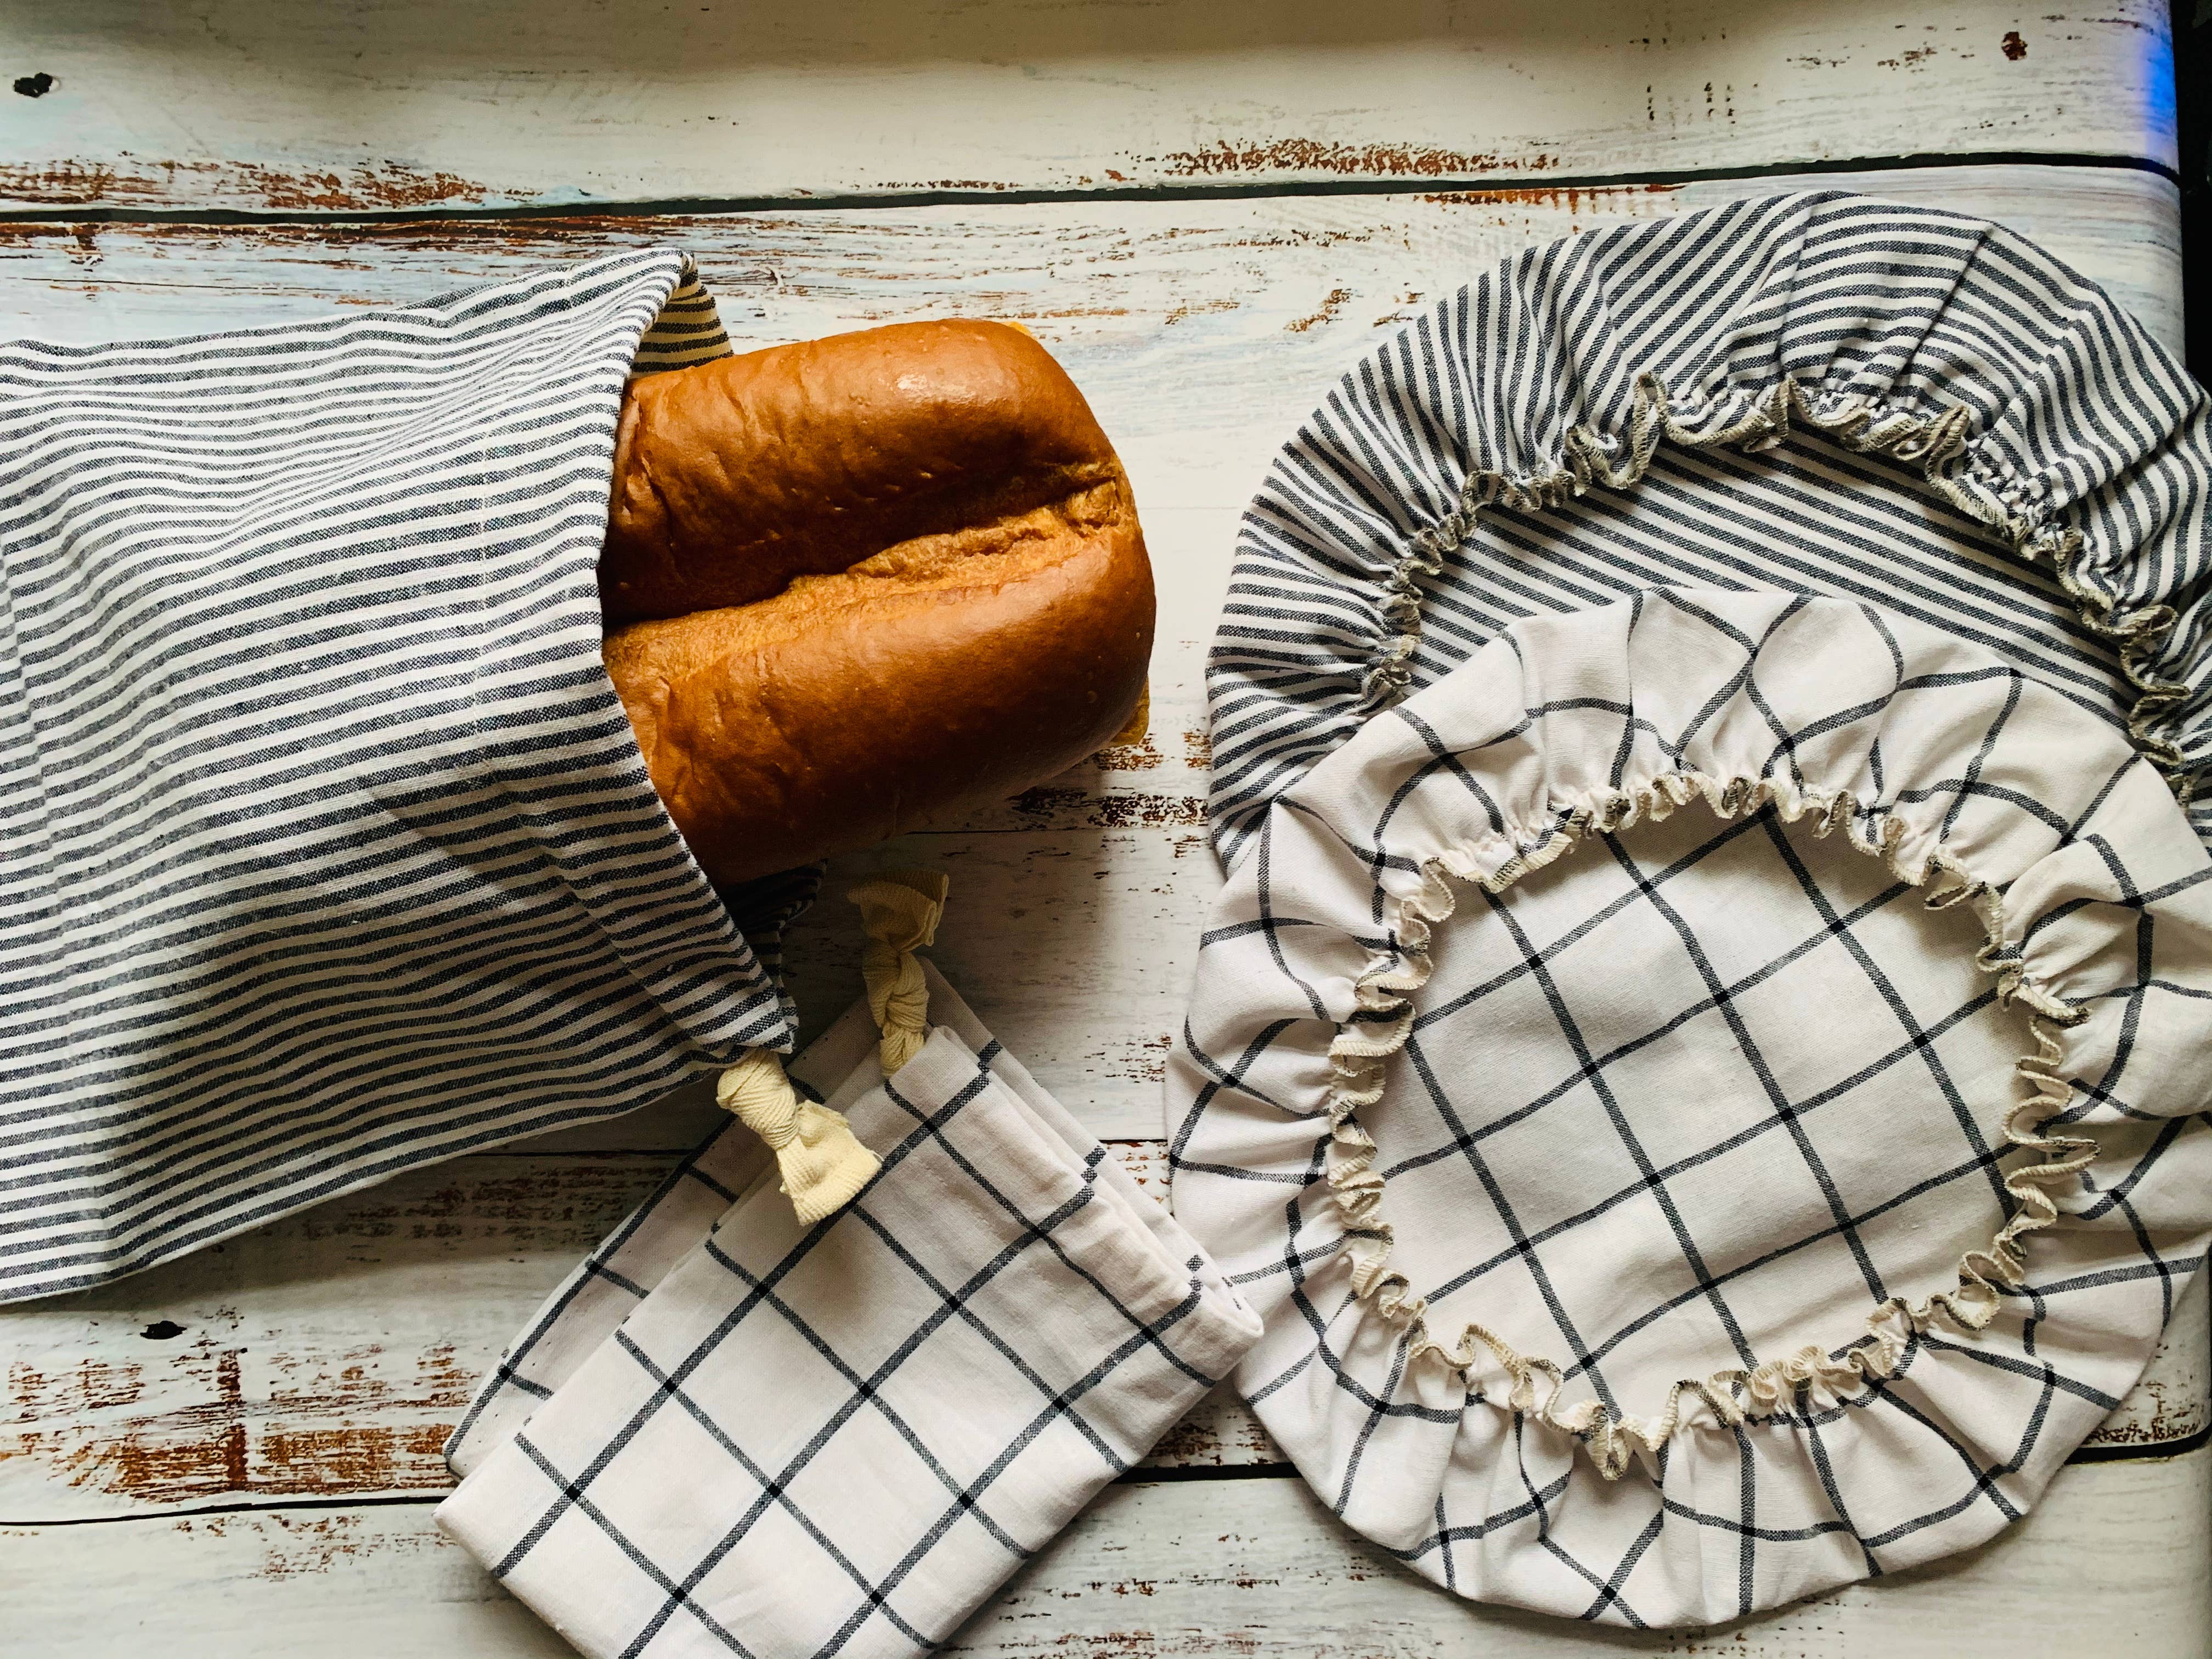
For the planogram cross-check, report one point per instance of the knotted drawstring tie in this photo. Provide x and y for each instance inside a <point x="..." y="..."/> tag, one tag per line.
<point x="899" y="911"/>
<point x="822" y="1162"/>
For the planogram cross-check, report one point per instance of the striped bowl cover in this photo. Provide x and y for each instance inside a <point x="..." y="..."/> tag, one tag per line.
<point x="1977" y="439"/>
<point x="325" y="850"/>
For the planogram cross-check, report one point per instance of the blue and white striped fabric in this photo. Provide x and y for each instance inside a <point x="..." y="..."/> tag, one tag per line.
<point x="328" y="851"/>
<point x="1819" y="393"/>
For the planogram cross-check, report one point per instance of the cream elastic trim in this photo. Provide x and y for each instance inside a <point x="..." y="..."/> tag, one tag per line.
<point x="821" y="1162"/>
<point x="899" y="911"/>
<point x="1858" y="423"/>
<point x="1363" y="1046"/>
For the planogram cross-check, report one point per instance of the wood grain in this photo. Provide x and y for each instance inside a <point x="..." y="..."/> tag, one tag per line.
<point x="325" y="1357"/>
<point x="1245" y="308"/>
<point x="2111" y="1562"/>
<point x="303" y="1376"/>
<point x="328" y="1355"/>
<point x="319" y="107"/>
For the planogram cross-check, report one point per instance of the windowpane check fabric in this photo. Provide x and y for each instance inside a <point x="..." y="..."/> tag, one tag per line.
<point x="1820" y="394"/>
<point x="1709" y="1098"/>
<point x="728" y="1434"/>
<point x="328" y="850"/>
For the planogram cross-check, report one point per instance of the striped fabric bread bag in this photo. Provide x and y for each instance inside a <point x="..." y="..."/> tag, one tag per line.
<point x="325" y="848"/>
<point x="1701" y="1063"/>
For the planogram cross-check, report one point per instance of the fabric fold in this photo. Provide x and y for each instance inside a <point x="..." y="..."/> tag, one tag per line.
<point x="841" y="1437"/>
<point x="1820" y="393"/>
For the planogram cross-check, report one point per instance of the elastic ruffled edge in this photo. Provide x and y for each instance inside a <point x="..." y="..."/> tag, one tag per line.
<point x="1761" y="421"/>
<point x="1359" y="1056"/>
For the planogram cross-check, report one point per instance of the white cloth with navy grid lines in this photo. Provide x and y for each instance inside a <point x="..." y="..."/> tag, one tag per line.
<point x="1709" y="1100"/>
<point x="726" y="1433"/>
<point x="1819" y="393"/>
<point x="328" y="850"/>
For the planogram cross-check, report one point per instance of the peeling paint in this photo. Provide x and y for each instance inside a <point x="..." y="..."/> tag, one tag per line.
<point x="1332" y="303"/>
<point x="1574" y="198"/>
<point x="1139" y="756"/>
<point x="1060" y="808"/>
<point x="354" y="189"/>
<point x="1136" y="1060"/>
<point x="1227" y="159"/>
<point x="207" y="1407"/>
<point x="342" y="1424"/>
<point x="2176" y="1412"/>
<point x="1219" y="1434"/>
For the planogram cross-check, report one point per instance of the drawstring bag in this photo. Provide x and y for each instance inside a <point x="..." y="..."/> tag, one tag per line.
<point x="328" y="850"/>
<point x="737" y="1429"/>
<point x="1709" y="1098"/>
<point x="1818" y="394"/>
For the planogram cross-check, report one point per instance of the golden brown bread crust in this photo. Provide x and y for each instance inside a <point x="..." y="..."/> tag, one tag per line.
<point x="735" y="476"/>
<point x="888" y="576"/>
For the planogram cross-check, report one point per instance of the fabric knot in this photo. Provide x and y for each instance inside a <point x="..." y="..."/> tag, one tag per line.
<point x="822" y="1162"/>
<point x="899" y="911"/>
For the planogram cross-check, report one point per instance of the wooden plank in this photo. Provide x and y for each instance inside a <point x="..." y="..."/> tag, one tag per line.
<point x="327" y="1356"/>
<point x="1246" y="1568"/>
<point x="311" y="106"/>
<point x="1243" y="307"/>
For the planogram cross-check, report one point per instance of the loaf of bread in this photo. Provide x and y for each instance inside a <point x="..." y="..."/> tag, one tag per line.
<point x="861" y="583"/>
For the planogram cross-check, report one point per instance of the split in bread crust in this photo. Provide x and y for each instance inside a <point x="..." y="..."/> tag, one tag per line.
<point x="865" y="582"/>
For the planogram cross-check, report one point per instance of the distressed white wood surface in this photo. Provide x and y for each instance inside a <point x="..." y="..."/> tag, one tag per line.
<point x="2111" y="1563"/>
<point x="296" y="1374"/>
<point x="324" y="1357"/>
<point x="306" y="105"/>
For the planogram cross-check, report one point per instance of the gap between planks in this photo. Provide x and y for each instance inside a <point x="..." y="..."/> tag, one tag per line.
<point x="1257" y="1569"/>
<point x="250" y="1374"/>
<point x="343" y="107"/>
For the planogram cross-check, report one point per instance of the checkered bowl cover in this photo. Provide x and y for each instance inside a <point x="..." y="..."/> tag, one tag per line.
<point x="1750" y="992"/>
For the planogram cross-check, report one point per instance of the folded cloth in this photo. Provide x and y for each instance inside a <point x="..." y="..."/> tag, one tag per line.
<point x="732" y="1432"/>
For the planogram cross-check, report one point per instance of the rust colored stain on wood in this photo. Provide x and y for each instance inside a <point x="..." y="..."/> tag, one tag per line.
<point x="1048" y="807"/>
<point x="330" y="1427"/>
<point x="2176" y="1413"/>
<point x="1572" y="198"/>
<point x="354" y="189"/>
<point x="1332" y="302"/>
<point x="1138" y="1060"/>
<point x="1139" y="756"/>
<point x="2014" y="46"/>
<point x="1218" y="1435"/>
<point x="1345" y="160"/>
<point x="207" y="1413"/>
